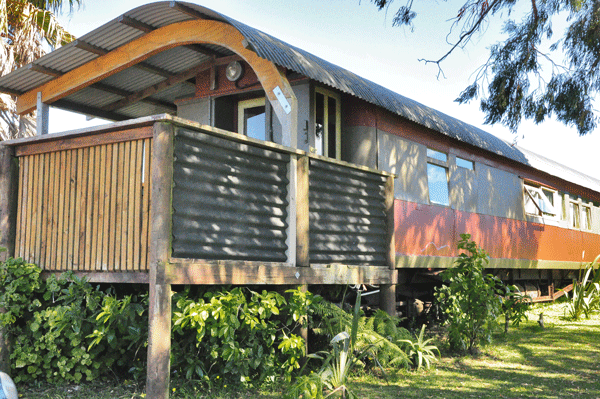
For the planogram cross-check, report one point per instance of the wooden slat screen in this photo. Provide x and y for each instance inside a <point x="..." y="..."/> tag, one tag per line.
<point x="86" y="209"/>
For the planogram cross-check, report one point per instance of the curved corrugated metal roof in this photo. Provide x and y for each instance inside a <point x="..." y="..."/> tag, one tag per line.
<point x="114" y="34"/>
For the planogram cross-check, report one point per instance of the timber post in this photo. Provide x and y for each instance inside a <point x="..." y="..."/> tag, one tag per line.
<point x="387" y="293"/>
<point x="302" y="212"/>
<point x="159" y="318"/>
<point x="8" y="213"/>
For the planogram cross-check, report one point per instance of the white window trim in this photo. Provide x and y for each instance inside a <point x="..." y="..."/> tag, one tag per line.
<point x="245" y="104"/>
<point x="338" y="120"/>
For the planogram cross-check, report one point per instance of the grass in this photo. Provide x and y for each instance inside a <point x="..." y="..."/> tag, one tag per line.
<point x="560" y="361"/>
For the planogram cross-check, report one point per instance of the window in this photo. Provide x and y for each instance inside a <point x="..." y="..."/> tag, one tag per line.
<point x="252" y="118"/>
<point x="464" y="163"/>
<point x="440" y="156"/>
<point x="586" y="217"/>
<point x="539" y="201"/>
<point x="437" y="177"/>
<point x="328" y="123"/>
<point x="575" y="215"/>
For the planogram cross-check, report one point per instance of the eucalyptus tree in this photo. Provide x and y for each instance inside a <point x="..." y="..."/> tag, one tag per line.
<point x="26" y="27"/>
<point x="534" y="73"/>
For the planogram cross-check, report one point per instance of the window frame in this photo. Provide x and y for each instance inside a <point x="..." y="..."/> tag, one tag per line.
<point x="242" y="105"/>
<point x="436" y="161"/>
<point x="338" y="121"/>
<point x="531" y="188"/>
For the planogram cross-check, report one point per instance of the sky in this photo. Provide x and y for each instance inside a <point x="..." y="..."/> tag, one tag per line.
<point x="357" y="37"/>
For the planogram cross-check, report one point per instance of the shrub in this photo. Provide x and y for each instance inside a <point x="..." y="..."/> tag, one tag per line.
<point x="469" y="301"/>
<point x="585" y="297"/>
<point x="242" y="334"/>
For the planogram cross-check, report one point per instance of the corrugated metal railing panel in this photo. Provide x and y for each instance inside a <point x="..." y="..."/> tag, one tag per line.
<point x="347" y="215"/>
<point x="229" y="200"/>
<point x="86" y="209"/>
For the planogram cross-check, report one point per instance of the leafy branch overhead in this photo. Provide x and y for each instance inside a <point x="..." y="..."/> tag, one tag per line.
<point x="534" y="73"/>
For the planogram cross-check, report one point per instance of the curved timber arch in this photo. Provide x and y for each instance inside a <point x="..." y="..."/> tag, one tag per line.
<point x="177" y="34"/>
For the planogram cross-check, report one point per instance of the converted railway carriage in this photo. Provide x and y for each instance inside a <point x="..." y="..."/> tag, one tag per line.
<point x="236" y="158"/>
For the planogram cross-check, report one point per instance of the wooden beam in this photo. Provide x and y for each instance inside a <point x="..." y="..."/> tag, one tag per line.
<point x="70" y="142"/>
<point x="106" y="277"/>
<point x="165" y="84"/>
<point x="159" y="329"/>
<point x="44" y="70"/>
<point x="139" y="25"/>
<point x="12" y="92"/>
<point x="182" y="271"/>
<point x="188" y="10"/>
<point x="142" y="65"/>
<point x="140" y="49"/>
<point x="9" y="185"/>
<point x="302" y="212"/>
<point x="125" y="93"/>
<point x="387" y="293"/>
<point x="87" y="110"/>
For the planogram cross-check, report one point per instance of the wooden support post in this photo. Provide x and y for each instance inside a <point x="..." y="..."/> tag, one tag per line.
<point x="302" y="222"/>
<point x="42" y="116"/>
<point x="8" y="214"/>
<point x="9" y="187"/>
<point x="387" y="294"/>
<point x="159" y="332"/>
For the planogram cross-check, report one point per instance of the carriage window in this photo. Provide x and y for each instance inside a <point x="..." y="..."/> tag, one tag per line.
<point x="251" y="118"/>
<point x="437" y="179"/>
<point x="586" y="217"/>
<point x="327" y="123"/>
<point x="539" y="201"/>
<point x="464" y="163"/>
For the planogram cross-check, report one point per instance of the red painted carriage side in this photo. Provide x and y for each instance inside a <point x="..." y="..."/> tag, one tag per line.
<point x="431" y="230"/>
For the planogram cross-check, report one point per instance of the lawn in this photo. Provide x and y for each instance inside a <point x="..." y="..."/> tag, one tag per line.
<point x="560" y="361"/>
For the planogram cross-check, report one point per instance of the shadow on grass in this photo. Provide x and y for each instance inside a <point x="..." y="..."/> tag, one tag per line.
<point x="557" y="362"/>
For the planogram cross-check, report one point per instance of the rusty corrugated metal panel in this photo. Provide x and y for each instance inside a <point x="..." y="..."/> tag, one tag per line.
<point x="229" y="200"/>
<point x="347" y="215"/>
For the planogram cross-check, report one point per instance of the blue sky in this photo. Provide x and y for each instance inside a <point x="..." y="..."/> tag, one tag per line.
<point x="354" y="35"/>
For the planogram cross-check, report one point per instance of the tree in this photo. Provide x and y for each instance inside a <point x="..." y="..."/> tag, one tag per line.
<point x="25" y="26"/>
<point x="529" y="75"/>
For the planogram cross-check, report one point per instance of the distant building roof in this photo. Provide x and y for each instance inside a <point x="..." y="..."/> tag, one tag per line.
<point x="115" y="33"/>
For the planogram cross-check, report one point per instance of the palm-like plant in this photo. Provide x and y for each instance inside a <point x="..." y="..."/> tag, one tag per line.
<point x="420" y="351"/>
<point x="25" y="25"/>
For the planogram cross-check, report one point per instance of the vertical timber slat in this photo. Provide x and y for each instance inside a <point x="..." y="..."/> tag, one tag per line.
<point x="146" y="203"/>
<point x="159" y="331"/>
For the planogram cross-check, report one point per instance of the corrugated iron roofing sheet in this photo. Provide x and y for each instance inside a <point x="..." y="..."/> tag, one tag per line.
<point x="114" y="34"/>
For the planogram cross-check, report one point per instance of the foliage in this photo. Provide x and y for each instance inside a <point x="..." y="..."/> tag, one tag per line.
<point x="337" y="364"/>
<point x="60" y="328"/>
<point x="514" y="305"/>
<point x="24" y="26"/>
<point x="532" y="74"/>
<point x="421" y="352"/>
<point x="585" y="297"/>
<point x="19" y="281"/>
<point x="380" y="331"/>
<point x="244" y="335"/>
<point x="469" y="301"/>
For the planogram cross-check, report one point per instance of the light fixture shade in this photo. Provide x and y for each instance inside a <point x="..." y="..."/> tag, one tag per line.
<point x="234" y="71"/>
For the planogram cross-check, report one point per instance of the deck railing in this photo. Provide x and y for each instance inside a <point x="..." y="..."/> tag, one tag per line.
<point x="83" y="205"/>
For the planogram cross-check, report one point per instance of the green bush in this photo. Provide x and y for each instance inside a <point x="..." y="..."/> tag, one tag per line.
<point x="585" y="297"/>
<point x="58" y="328"/>
<point x="238" y="335"/>
<point x="469" y="301"/>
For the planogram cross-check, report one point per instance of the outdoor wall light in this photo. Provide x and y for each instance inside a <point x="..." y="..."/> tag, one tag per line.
<point x="234" y="71"/>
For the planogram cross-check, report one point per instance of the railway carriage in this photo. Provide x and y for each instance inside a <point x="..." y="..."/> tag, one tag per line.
<point x="236" y="158"/>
